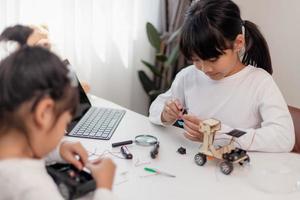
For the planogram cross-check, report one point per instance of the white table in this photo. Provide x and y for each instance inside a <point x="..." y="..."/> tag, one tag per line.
<point x="268" y="177"/>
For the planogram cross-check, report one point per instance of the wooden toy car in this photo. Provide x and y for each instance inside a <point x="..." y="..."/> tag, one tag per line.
<point x="228" y="153"/>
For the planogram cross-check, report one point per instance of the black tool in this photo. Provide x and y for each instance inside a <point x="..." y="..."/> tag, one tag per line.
<point x="154" y="151"/>
<point x="126" y="152"/>
<point x="71" y="182"/>
<point x="184" y="111"/>
<point x="181" y="150"/>
<point x="180" y="123"/>
<point x="117" y="144"/>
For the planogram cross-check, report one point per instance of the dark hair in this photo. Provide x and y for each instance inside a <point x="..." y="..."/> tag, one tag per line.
<point x="18" y="33"/>
<point x="29" y="75"/>
<point x="211" y="26"/>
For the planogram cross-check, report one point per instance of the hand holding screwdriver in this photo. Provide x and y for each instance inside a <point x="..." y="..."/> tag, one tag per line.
<point x="171" y="112"/>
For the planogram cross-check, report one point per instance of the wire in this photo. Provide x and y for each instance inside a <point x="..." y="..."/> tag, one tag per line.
<point x="106" y="151"/>
<point x="229" y="140"/>
<point x="251" y="141"/>
<point x="247" y="149"/>
<point x="138" y="163"/>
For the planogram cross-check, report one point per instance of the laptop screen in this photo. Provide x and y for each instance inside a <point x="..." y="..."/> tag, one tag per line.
<point x="83" y="107"/>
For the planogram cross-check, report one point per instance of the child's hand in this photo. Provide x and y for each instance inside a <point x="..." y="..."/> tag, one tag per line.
<point x="191" y="126"/>
<point x="70" y="151"/>
<point x="171" y="112"/>
<point x="103" y="172"/>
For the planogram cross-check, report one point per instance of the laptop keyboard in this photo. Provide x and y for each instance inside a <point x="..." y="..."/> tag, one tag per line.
<point x="98" y="123"/>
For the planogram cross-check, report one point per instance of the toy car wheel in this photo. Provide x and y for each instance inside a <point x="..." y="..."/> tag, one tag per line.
<point x="225" y="156"/>
<point x="200" y="159"/>
<point x="226" y="167"/>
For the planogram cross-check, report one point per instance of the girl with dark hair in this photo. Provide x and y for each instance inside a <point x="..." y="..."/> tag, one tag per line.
<point x="230" y="80"/>
<point x="27" y="35"/>
<point x="18" y="33"/>
<point x="37" y="101"/>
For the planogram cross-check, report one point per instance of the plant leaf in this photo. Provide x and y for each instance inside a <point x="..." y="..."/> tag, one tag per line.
<point x="147" y="83"/>
<point x="153" y="36"/>
<point x="161" y="57"/>
<point x="153" y="69"/>
<point x="153" y="94"/>
<point x="173" y="56"/>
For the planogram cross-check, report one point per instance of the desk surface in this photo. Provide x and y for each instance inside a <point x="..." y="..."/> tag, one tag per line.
<point x="268" y="176"/>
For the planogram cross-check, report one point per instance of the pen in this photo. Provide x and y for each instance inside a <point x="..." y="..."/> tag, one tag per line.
<point x="159" y="172"/>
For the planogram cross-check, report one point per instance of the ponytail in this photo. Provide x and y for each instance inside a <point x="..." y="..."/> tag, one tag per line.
<point x="256" y="50"/>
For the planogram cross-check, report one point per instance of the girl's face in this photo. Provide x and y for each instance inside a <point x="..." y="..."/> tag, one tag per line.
<point x="220" y="67"/>
<point x="225" y="65"/>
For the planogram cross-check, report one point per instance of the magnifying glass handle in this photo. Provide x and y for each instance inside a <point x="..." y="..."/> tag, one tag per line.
<point x="117" y="144"/>
<point x="154" y="151"/>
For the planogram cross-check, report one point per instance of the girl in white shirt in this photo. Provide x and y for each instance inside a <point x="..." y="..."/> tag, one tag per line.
<point x="37" y="101"/>
<point x="230" y="80"/>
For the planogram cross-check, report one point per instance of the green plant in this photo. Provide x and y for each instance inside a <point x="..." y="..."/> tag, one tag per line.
<point x="164" y="59"/>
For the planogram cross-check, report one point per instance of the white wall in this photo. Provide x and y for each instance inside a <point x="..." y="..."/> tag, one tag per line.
<point x="104" y="40"/>
<point x="279" y="21"/>
<point x="142" y="50"/>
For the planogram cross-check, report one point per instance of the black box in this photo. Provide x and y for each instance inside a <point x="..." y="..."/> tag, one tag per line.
<point x="71" y="182"/>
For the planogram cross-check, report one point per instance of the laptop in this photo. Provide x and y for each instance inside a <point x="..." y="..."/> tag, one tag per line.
<point x="93" y="122"/>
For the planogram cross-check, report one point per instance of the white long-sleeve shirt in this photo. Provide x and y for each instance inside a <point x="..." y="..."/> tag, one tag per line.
<point x="27" y="179"/>
<point x="248" y="100"/>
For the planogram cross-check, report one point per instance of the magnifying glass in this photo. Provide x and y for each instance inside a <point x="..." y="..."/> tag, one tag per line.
<point x="143" y="140"/>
